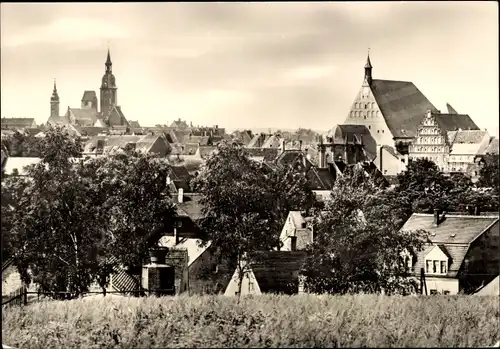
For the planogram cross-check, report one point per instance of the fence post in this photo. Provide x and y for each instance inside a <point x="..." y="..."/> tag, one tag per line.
<point x="25" y="295"/>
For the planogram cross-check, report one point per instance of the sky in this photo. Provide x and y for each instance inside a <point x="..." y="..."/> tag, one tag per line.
<point x="248" y="65"/>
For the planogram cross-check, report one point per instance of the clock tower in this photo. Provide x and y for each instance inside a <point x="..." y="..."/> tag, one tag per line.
<point x="108" y="90"/>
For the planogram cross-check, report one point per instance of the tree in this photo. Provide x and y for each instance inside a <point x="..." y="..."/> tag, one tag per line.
<point x="245" y="203"/>
<point x="71" y="216"/>
<point x="489" y="173"/>
<point x="425" y="186"/>
<point x="357" y="247"/>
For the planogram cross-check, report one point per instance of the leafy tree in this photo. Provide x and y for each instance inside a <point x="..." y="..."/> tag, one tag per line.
<point x="357" y="246"/>
<point x="71" y="216"/>
<point x="245" y="203"/>
<point x="425" y="186"/>
<point x="489" y="173"/>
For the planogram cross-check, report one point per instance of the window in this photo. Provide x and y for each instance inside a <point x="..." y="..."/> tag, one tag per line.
<point x="446" y="292"/>
<point x="378" y="131"/>
<point x="434" y="292"/>
<point x="369" y="127"/>
<point x="382" y="131"/>
<point x="428" y="266"/>
<point x="293" y="243"/>
<point x="365" y="117"/>
<point x="443" y="267"/>
<point x="251" y="287"/>
<point x="366" y="106"/>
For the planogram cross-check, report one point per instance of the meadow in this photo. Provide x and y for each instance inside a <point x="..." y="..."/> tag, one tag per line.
<point x="261" y="321"/>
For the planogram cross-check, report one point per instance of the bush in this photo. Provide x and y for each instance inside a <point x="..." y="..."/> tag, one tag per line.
<point x="263" y="321"/>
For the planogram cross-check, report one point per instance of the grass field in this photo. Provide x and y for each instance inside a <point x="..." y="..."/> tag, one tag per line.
<point x="264" y="321"/>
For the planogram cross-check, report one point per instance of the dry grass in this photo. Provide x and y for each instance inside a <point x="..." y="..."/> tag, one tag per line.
<point x="264" y="321"/>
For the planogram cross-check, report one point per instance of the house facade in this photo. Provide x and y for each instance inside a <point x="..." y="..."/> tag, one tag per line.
<point x="462" y="254"/>
<point x="436" y="136"/>
<point x="17" y="123"/>
<point x="297" y="232"/>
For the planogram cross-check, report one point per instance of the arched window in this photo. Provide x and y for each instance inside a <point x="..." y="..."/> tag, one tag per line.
<point x="377" y="113"/>
<point x="352" y="114"/>
<point x="373" y="105"/>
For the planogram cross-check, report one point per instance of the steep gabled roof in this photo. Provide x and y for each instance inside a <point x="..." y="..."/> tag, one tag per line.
<point x="320" y="178"/>
<point x="451" y="110"/>
<point x="83" y="117"/>
<point x="278" y="271"/>
<point x="455" y="122"/>
<point x="493" y="147"/>
<point x="116" y="117"/>
<point x="402" y="104"/>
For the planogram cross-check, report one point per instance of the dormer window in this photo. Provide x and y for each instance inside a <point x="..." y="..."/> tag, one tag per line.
<point x="436" y="262"/>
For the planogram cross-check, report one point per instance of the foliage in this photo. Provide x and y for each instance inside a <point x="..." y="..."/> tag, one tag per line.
<point x="70" y="216"/>
<point x="303" y="321"/>
<point x="357" y="246"/>
<point x="22" y="145"/>
<point x="246" y="203"/>
<point x="489" y="175"/>
<point x="425" y="188"/>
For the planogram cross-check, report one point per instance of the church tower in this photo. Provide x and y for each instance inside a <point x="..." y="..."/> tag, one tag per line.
<point x="368" y="70"/>
<point x="108" y="90"/>
<point x="54" y="103"/>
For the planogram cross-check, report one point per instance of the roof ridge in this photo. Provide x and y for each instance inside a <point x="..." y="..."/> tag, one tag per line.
<point x="453" y="215"/>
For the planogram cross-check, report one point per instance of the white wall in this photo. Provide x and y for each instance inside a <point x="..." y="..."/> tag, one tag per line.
<point x="246" y="289"/>
<point x="442" y="284"/>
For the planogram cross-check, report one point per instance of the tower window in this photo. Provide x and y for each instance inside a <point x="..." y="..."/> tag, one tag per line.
<point x="369" y="127"/>
<point x="365" y="117"/>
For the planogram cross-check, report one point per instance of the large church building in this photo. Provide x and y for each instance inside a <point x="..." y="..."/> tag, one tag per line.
<point x="391" y="110"/>
<point x="110" y="113"/>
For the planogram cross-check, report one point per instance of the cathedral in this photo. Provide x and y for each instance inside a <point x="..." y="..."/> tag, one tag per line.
<point x="110" y="113"/>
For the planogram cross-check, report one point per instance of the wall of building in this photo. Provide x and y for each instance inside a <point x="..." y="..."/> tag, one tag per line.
<point x="365" y="111"/>
<point x="208" y="274"/>
<point x="387" y="163"/>
<point x="249" y="285"/>
<point x="442" y="285"/>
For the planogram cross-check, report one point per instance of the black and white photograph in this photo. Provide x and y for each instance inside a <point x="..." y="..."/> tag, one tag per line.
<point x="250" y="174"/>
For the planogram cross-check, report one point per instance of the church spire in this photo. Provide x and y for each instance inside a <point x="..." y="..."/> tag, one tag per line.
<point x="368" y="69"/>
<point x="55" y="96"/>
<point x="108" y="62"/>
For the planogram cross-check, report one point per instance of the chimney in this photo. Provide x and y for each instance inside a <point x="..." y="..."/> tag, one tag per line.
<point x="322" y="157"/>
<point x="300" y="144"/>
<point x="177" y="225"/>
<point x="100" y="146"/>
<point x="477" y="211"/>
<point x="436" y="217"/>
<point x="180" y="195"/>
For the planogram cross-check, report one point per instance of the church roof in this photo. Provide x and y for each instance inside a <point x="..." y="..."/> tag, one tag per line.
<point x="89" y="96"/>
<point x="116" y="117"/>
<point x="83" y="116"/>
<point x="455" y="122"/>
<point x="402" y="105"/>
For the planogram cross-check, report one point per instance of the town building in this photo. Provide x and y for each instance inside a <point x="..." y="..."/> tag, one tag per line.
<point x="442" y="138"/>
<point x="17" y="123"/>
<point x="462" y="254"/>
<point x="391" y="110"/>
<point x="269" y="272"/>
<point x="110" y="113"/>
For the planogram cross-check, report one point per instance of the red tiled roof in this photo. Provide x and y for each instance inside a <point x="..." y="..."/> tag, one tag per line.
<point x="402" y="104"/>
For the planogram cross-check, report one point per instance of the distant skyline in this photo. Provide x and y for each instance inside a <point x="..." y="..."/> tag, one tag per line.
<point x="248" y="65"/>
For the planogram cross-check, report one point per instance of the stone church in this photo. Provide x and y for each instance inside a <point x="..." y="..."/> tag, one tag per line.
<point x="110" y="113"/>
<point x="391" y="110"/>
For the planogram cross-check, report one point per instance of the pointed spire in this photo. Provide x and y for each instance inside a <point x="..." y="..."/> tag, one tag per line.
<point x="55" y="87"/>
<point x="368" y="63"/>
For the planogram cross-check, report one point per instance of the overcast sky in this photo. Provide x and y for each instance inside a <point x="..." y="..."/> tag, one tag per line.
<point x="284" y="65"/>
